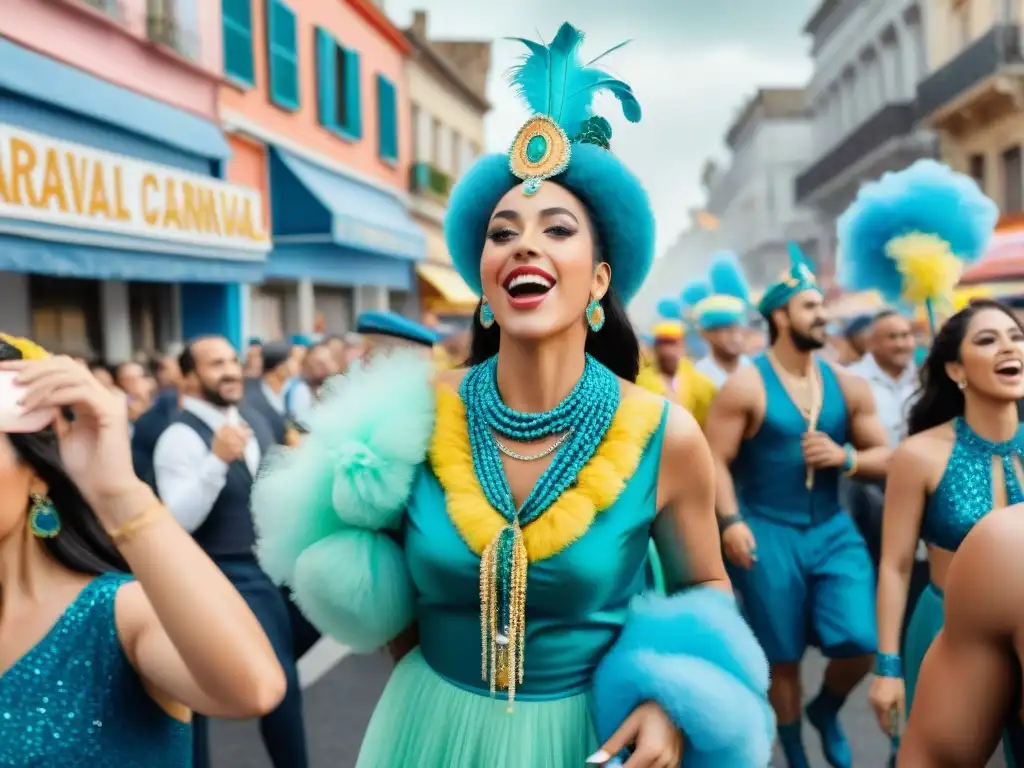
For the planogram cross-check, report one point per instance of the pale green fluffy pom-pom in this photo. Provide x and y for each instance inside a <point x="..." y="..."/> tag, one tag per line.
<point x="355" y="586"/>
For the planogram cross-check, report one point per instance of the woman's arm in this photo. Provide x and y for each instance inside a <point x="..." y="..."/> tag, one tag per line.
<point x="686" y="528"/>
<point x="184" y="627"/>
<point x="905" y="495"/>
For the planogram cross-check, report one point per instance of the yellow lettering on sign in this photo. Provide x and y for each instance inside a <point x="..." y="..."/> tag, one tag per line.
<point x="53" y="183"/>
<point x="4" y="194"/>
<point x="78" y="173"/>
<point x="208" y="204"/>
<point x="23" y="162"/>
<point x="150" y="214"/>
<point x="172" y="217"/>
<point x="229" y="208"/>
<point x="122" y="214"/>
<point x="99" y="203"/>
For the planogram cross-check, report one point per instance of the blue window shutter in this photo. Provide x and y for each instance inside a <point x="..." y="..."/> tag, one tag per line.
<point x="327" y="86"/>
<point x="353" y="96"/>
<point x="282" y="55"/>
<point x="236" y="26"/>
<point x="387" y="119"/>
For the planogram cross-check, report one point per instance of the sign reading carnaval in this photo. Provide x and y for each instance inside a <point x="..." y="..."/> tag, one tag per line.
<point x="57" y="182"/>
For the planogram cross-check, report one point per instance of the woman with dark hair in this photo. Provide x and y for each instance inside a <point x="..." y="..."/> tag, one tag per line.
<point x="962" y="459"/>
<point x="495" y="521"/>
<point x="98" y="668"/>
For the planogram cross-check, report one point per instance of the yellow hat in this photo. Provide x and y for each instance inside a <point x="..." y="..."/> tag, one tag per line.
<point x="668" y="330"/>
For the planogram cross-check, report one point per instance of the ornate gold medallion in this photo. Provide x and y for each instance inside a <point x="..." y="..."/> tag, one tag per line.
<point x="541" y="150"/>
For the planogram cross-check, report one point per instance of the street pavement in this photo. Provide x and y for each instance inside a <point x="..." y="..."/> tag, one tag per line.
<point x="343" y="689"/>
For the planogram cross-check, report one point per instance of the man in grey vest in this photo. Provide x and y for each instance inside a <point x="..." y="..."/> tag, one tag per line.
<point x="204" y="465"/>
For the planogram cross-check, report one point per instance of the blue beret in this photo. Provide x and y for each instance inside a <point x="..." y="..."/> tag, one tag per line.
<point x="393" y="324"/>
<point x="858" y="324"/>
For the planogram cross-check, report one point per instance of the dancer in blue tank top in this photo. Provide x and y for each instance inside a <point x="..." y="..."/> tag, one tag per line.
<point x="782" y="431"/>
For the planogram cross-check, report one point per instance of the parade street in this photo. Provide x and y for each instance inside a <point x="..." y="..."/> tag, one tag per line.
<point x="339" y="703"/>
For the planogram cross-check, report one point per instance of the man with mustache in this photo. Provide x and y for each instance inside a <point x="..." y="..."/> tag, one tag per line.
<point x="205" y="463"/>
<point x="782" y="431"/>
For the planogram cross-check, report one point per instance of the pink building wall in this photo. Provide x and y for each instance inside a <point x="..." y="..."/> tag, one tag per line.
<point x="357" y="24"/>
<point x="115" y="47"/>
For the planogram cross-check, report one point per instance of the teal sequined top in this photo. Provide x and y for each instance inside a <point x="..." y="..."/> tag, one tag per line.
<point x="576" y="603"/>
<point x="74" y="701"/>
<point x="964" y="494"/>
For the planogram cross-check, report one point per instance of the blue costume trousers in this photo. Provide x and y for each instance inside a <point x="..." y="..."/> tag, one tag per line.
<point x="809" y="586"/>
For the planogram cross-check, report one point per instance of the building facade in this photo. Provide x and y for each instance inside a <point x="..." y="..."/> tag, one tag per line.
<point x="117" y="231"/>
<point x="869" y="57"/>
<point x="973" y="94"/>
<point x="317" y="111"/>
<point x="447" y="81"/>
<point x="753" y="199"/>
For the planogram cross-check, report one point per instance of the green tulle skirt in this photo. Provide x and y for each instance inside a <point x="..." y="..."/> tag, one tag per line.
<point x="425" y="721"/>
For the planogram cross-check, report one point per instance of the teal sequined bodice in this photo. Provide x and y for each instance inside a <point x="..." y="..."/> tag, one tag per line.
<point x="964" y="494"/>
<point x="74" y="701"/>
<point x="576" y="601"/>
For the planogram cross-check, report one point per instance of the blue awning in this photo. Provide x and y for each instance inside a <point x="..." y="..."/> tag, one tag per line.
<point x="29" y="247"/>
<point x="327" y="264"/>
<point x="32" y="75"/>
<point x="311" y="204"/>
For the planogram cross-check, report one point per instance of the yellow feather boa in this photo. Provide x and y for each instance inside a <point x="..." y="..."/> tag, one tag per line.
<point x="29" y="349"/>
<point x="599" y="484"/>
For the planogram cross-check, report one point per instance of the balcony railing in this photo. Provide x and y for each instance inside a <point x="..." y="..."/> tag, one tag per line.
<point x="998" y="48"/>
<point x="164" y="27"/>
<point x="890" y="121"/>
<point x="425" y="179"/>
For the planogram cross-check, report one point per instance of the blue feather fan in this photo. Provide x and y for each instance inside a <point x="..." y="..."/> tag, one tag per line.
<point x="727" y="278"/>
<point x="670" y="309"/>
<point x="553" y="81"/>
<point x="694" y="292"/>
<point x="927" y="198"/>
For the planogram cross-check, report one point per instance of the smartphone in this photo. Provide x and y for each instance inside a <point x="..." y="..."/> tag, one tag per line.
<point x="14" y="418"/>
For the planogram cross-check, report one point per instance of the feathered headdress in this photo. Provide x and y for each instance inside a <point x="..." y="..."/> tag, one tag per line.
<point x="566" y="142"/>
<point x="670" y="326"/>
<point x="910" y="233"/>
<point x="670" y="309"/>
<point x="694" y="292"/>
<point x="726" y="277"/>
<point x="729" y="294"/>
<point x="799" y="277"/>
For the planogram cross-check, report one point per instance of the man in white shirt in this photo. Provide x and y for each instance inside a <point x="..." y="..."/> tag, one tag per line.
<point x="723" y="325"/>
<point x="204" y="465"/>
<point x="889" y="369"/>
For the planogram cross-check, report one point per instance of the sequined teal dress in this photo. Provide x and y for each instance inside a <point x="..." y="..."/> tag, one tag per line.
<point x="963" y="496"/>
<point x="74" y="701"/>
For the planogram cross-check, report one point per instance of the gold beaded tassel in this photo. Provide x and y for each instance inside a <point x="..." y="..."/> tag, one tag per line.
<point x="517" y="615"/>
<point x="489" y="613"/>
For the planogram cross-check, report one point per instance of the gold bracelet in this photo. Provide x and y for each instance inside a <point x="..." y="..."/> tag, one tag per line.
<point x="124" y="533"/>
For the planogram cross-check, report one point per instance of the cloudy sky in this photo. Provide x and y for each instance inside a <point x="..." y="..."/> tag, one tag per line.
<point x="692" y="64"/>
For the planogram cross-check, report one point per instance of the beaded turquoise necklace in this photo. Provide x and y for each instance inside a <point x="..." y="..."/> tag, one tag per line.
<point x="584" y="416"/>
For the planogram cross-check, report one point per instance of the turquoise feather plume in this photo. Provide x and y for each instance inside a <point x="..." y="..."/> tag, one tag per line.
<point x="670" y="309"/>
<point x="727" y="278"/>
<point x="694" y="292"/>
<point x="553" y="81"/>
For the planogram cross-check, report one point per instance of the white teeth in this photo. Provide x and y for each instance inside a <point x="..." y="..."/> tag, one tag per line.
<point x="529" y="279"/>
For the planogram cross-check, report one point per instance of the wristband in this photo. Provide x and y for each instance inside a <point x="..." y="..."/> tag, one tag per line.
<point x="888" y="665"/>
<point x="728" y="520"/>
<point x="850" y="464"/>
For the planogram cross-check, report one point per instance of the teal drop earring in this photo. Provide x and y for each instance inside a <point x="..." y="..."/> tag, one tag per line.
<point x="595" y="315"/>
<point x="43" y="520"/>
<point x="486" y="314"/>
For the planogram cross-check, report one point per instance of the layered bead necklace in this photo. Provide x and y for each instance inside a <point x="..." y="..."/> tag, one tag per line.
<point x="581" y="421"/>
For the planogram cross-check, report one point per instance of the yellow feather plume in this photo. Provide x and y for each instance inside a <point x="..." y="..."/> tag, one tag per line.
<point x="29" y="349"/>
<point x="930" y="270"/>
<point x="964" y="296"/>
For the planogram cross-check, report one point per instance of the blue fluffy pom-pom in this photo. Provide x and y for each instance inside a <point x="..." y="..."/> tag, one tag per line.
<point x="696" y="657"/>
<point x="927" y="198"/>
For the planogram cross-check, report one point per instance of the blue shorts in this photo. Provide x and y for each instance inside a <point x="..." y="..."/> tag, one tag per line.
<point x="809" y="586"/>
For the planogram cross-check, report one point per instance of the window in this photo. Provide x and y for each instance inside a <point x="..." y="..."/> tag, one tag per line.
<point x="435" y="141"/>
<point x="456" y="155"/>
<point x="282" y="55"/>
<point x="416" y="117"/>
<point x="340" y="100"/>
<point x="961" y="25"/>
<point x="1013" y="181"/>
<point x="236" y="24"/>
<point x="977" y="170"/>
<point x="387" y="119"/>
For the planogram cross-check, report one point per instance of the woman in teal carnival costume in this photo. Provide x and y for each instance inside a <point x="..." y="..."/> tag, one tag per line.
<point x="909" y="235"/>
<point x="417" y="505"/>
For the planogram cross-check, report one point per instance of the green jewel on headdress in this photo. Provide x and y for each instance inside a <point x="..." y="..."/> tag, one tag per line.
<point x="559" y="89"/>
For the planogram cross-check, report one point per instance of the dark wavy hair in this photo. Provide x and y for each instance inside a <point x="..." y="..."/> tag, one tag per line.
<point x="82" y="545"/>
<point x="615" y="345"/>
<point x="938" y="399"/>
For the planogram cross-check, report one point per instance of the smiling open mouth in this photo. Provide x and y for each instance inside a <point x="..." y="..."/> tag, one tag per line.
<point x="1010" y="368"/>
<point x="528" y="283"/>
